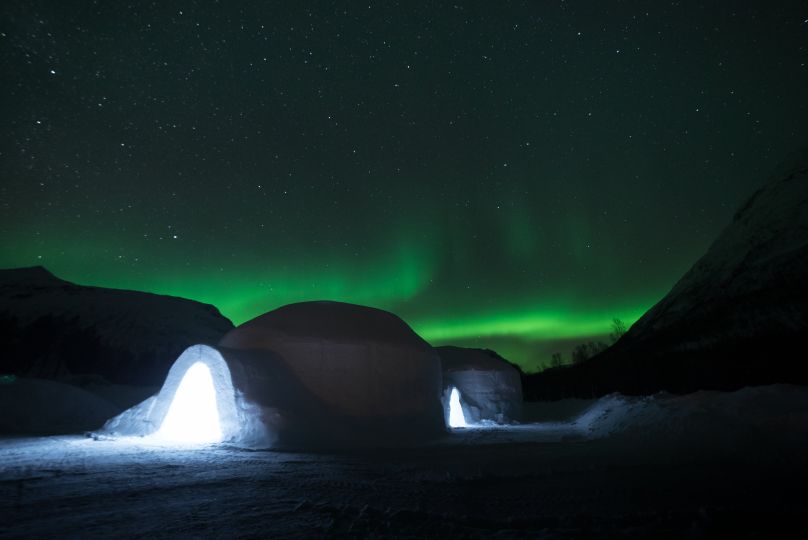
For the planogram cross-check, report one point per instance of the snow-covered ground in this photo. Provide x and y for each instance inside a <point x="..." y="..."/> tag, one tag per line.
<point x="662" y="466"/>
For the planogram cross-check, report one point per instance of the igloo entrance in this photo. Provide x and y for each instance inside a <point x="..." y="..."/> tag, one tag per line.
<point x="193" y="415"/>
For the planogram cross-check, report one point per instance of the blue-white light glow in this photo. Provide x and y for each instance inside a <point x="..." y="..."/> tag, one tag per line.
<point x="193" y="416"/>
<point x="456" y="417"/>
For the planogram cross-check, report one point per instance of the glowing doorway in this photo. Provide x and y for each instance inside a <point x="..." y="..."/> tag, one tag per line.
<point x="456" y="417"/>
<point x="193" y="416"/>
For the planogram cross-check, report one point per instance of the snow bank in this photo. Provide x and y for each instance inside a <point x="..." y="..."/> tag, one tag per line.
<point x="747" y="416"/>
<point x="562" y="410"/>
<point x="37" y="406"/>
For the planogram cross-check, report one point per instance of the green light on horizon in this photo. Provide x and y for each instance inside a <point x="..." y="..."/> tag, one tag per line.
<point x="535" y="324"/>
<point x="403" y="277"/>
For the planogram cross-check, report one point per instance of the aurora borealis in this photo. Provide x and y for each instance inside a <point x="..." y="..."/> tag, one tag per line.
<point x="510" y="177"/>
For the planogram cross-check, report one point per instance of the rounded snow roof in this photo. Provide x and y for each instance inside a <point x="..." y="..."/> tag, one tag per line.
<point x="322" y="321"/>
<point x="461" y="358"/>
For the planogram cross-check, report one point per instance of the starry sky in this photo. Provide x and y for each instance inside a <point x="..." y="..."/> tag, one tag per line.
<point x="509" y="176"/>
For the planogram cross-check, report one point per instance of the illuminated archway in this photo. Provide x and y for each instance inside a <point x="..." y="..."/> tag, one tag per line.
<point x="193" y="416"/>
<point x="456" y="417"/>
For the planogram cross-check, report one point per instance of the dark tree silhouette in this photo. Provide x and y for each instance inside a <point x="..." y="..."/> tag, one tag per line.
<point x="618" y="329"/>
<point x="585" y="351"/>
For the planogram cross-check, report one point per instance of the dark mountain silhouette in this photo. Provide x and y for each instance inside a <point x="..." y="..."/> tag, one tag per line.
<point x="53" y="329"/>
<point x="738" y="317"/>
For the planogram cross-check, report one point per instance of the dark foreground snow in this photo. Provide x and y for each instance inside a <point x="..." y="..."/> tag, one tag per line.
<point x="694" y="466"/>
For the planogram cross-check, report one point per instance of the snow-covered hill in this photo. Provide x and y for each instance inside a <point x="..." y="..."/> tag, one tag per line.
<point x="54" y="329"/>
<point x="738" y="317"/>
<point x="752" y="280"/>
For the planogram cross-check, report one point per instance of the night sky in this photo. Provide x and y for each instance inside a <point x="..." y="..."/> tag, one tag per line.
<point x="509" y="175"/>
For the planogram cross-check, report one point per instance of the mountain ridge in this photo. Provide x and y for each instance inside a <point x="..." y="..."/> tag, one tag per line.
<point x="737" y="317"/>
<point x="56" y="329"/>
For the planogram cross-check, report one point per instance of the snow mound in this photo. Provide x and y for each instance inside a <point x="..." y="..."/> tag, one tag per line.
<point x="562" y="410"/>
<point x="36" y="406"/>
<point x="698" y="418"/>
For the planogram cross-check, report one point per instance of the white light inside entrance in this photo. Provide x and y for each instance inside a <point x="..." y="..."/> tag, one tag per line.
<point x="193" y="416"/>
<point x="456" y="417"/>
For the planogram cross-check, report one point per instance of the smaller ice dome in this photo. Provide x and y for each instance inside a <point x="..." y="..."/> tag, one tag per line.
<point x="490" y="388"/>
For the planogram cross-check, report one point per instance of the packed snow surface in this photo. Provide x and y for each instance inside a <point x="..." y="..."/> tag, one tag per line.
<point x="704" y="464"/>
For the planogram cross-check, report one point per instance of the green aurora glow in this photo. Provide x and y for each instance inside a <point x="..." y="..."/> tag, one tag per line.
<point x="511" y="178"/>
<point x="525" y="332"/>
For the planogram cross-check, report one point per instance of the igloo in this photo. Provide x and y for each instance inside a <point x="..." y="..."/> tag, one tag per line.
<point x="487" y="388"/>
<point x="303" y="375"/>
